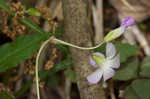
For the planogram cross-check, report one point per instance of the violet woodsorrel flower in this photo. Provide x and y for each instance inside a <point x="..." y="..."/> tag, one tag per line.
<point x="127" y="22"/>
<point x="105" y="65"/>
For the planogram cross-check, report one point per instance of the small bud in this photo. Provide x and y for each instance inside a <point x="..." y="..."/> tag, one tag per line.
<point x="114" y="34"/>
<point x="127" y="22"/>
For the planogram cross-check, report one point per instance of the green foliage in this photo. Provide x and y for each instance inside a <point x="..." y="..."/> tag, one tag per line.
<point x="59" y="31"/>
<point x="130" y="93"/>
<point x="33" y="11"/>
<point x="32" y="25"/>
<point x="24" y="20"/>
<point x="140" y="89"/>
<point x="125" y="50"/>
<point x="143" y="26"/>
<point x="145" y="67"/>
<point x="5" y="95"/>
<point x="127" y="70"/>
<point x="64" y="50"/>
<point x="53" y="80"/>
<point x="23" y="48"/>
<point x="5" y="7"/>
<point x="13" y="53"/>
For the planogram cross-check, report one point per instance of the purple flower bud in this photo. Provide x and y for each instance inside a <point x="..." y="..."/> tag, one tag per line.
<point x="127" y="22"/>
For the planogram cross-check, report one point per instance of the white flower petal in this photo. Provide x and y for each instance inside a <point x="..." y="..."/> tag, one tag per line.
<point x="95" y="77"/>
<point x="114" y="62"/>
<point x="108" y="73"/>
<point x="110" y="50"/>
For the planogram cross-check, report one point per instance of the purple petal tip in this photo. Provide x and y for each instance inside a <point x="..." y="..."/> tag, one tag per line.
<point x="93" y="63"/>
<point x="127" y="22"/>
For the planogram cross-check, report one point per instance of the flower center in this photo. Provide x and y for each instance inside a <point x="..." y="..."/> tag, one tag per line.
<point x="99" y="60"/>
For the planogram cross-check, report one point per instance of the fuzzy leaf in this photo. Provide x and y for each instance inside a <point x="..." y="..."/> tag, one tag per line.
<point x="125" y="50"/>
<point x="127" y="71"/>
<point x="13" y="53"/>
<point x="130" y="93"/>
<point x="145" y="67"/>
<point x="142" y="88"/>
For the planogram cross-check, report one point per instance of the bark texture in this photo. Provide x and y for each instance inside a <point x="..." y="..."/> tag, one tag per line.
<point x="77" y="31"/>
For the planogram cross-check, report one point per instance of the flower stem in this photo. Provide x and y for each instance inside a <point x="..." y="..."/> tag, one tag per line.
<point x="57" y="41"/>
<point x="36" y="68"/>
<point x="78" y="47"/>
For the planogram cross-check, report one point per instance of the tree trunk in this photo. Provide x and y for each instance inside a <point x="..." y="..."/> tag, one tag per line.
<point x="77" y="31"/>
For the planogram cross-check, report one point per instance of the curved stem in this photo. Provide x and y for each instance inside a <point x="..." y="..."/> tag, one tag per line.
<point x="75" y="46"/>
<point x="59" y="41"/>
<point x="36" y="68"/>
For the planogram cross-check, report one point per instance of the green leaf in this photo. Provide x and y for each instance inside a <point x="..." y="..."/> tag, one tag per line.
<point x="34" y="12"/>
<point x="125" y="50"/>
<point x="5" y="95"/>
<point x="5" y="7"/>
<point x="59" y="31"/>
<point x="142" y="88"/>
<point x="32" y="25"/>
<point x="53" y="80"/>
<point x="130" y="93"/>
<point x="71" y="75"/>
<point x="24" y="47"/>
<point x="101" y="49"/>
<point x="64" y="50"/>
<point x="128" y="70"/>
<point x="145" y="67"/>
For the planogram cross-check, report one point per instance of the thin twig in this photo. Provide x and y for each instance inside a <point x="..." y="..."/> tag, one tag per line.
<point x="125" y="2"/>
<point x="67" y="88"/>
<point x="98" y="21"/>
<point x="142" y="40"/>
<point x="111" y="88"/>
